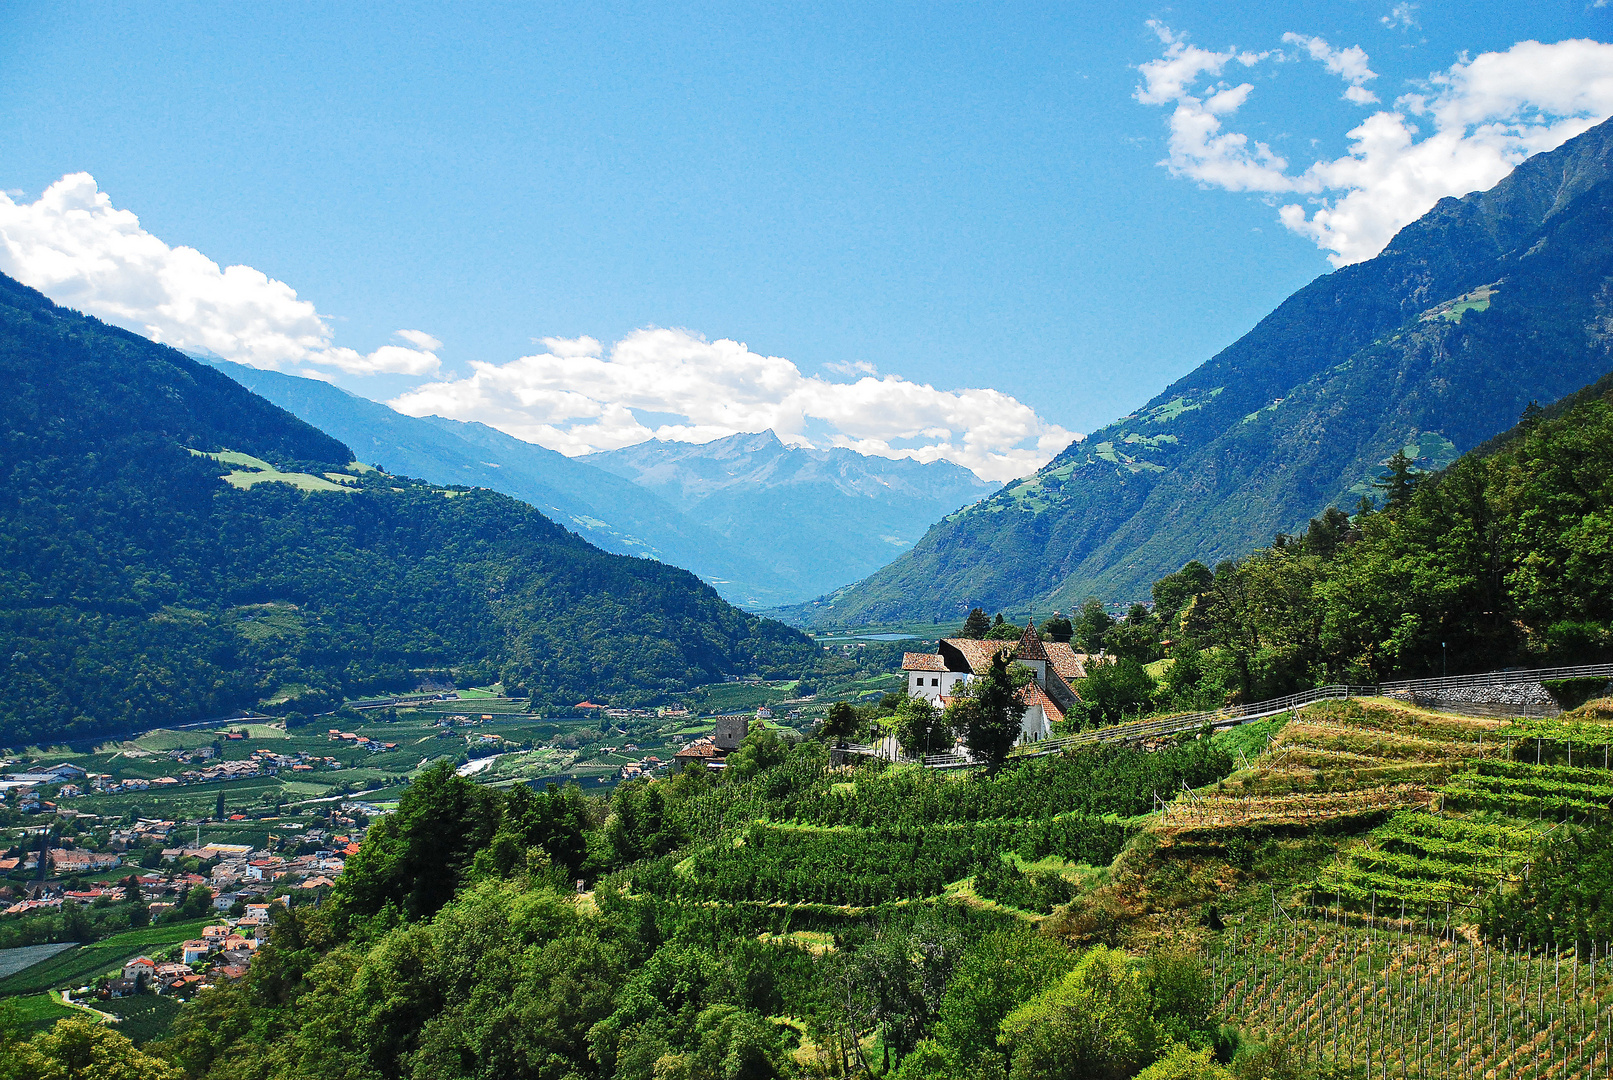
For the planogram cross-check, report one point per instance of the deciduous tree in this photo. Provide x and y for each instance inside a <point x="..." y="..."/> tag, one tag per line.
<point x="990" y="710"/>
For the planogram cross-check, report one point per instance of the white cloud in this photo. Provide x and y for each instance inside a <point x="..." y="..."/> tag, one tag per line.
<point x="1487" y="114"/>
<point x="75" y="247"/>
<point x="853" y="367"/>
<point x="576" y="398"/>
<point x="1404" y="17"/>
<point x="420" y="340"/>
<point x="1348" y="64"/>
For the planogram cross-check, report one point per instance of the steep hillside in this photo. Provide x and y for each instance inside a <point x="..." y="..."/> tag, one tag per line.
<point x="1500" y="560"/>
<point x="606" y="510"/>
<point x="821" y="518"/>
<point x="1483" y="305"/>
<point x="138" y="585"/>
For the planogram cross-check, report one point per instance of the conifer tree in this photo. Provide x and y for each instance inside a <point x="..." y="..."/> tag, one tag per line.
<point x="1398" y="484"/>
<point x="976" y="626"/>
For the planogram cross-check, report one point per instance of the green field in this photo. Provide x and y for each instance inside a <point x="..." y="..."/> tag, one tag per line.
<point x="144" y="1017"/>
<point x="250" y="470"/>
<point x="873" y="686"/>
<point x="39" y="1011"/>
<point x="738" y="697"/>
<point x="533" y="749"/>
<point x="26" y="956"/>
<point x="77" y="966"/>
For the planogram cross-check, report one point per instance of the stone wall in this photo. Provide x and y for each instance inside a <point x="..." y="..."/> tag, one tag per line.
<point x="1505" y="699"/>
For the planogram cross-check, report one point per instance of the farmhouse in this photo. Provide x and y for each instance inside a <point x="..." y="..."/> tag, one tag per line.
<point x="141" y="967"/>
<point x="941" y="675"/>
<point x="710" y="750"/>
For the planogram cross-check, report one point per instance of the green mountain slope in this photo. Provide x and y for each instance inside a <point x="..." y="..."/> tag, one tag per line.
<point x="1483" y="305"/>
<point x="819" y="518"/>
<point x="136" y="580"/>
<point x="605" y="509"/>
<point x="1502" y="559"/>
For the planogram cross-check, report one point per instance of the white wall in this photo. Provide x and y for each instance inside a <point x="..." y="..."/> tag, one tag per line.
<point x="934" y="684"/>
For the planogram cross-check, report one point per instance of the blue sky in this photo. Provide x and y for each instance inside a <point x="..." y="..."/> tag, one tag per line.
<point x="965" y="197"/>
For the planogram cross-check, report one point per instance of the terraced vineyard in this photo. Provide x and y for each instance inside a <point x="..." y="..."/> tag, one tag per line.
<point x="1475" y="832"/>
<point x="1376" y="962"/>
<point x="771" y="864"/>
<point x="1418" y="859"/>
<point x="1415" y="1002"/>
<point x="1542" y="792"/>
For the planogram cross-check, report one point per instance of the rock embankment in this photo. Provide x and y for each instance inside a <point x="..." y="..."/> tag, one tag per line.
<point x="1502" y="699"/>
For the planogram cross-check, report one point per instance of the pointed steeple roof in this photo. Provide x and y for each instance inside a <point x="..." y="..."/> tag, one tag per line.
<point x="1030" y="644"/>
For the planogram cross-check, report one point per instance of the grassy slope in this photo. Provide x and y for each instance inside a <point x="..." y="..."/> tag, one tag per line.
<point x="39" y="1011"/>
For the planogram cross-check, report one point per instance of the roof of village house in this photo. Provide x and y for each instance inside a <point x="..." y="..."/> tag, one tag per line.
<point x="976" y="654"/>
<point x="699" y="750"/>
<point x="1032" y="695"/>
<point x="1064" y="664"/>
<point x="923" y="661"/>
<point x="1066" y="661"/>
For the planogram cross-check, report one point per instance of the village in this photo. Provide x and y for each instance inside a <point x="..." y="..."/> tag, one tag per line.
<point x="133" y="873"/>
<point x="223" y="951"/>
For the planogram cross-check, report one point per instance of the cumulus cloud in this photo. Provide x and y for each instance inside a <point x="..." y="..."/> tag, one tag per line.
<point x="1466" y="129"/>
<point x="670" y="384"/>
<point x="74" y="246"/>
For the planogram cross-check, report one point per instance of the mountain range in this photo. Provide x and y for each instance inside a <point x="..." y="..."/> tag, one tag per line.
<point x="763" y="523"/>
<point x="1485" y="304"/>
<point x="813" y="515"/>
<point x="175" y="546"/>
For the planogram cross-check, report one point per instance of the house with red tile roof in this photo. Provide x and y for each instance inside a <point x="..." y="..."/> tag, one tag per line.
<point x="139" y="966"/>
<point x="703" y="752"/>
<point x="1054" y="665"/>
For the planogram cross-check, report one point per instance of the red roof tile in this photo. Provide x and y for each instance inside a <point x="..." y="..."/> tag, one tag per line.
<point x="1030" y="645"/>
<point x="976" y="655"/>
<point x="1066" y="661"/>
<point x="923" y="661"/>
<point x="1032" y="694"/>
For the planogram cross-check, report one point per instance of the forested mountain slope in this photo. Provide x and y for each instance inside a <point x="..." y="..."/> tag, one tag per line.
<point x="1483" y="305"/>
<point x="137" y="586"/>
<point x="609" y="511"/>
<point x="1504" y="559"/>
<point x="819" y="518"/>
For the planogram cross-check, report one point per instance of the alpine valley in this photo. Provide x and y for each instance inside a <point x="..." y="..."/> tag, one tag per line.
<point x="764" y="524"/>
<point x="353" y="745"/>
<point x="154" y="513"/>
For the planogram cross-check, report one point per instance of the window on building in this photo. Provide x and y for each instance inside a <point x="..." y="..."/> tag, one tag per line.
<point x="935" y="682"/>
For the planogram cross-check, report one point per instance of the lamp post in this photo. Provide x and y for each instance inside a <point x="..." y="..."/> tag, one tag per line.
<point x="1444" y="660"/>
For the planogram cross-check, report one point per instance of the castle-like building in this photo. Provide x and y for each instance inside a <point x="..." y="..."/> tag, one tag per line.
<point x="940" y="675"/>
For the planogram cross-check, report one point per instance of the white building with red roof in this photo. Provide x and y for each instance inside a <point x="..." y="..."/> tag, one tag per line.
<point x="1054" y="666"/>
